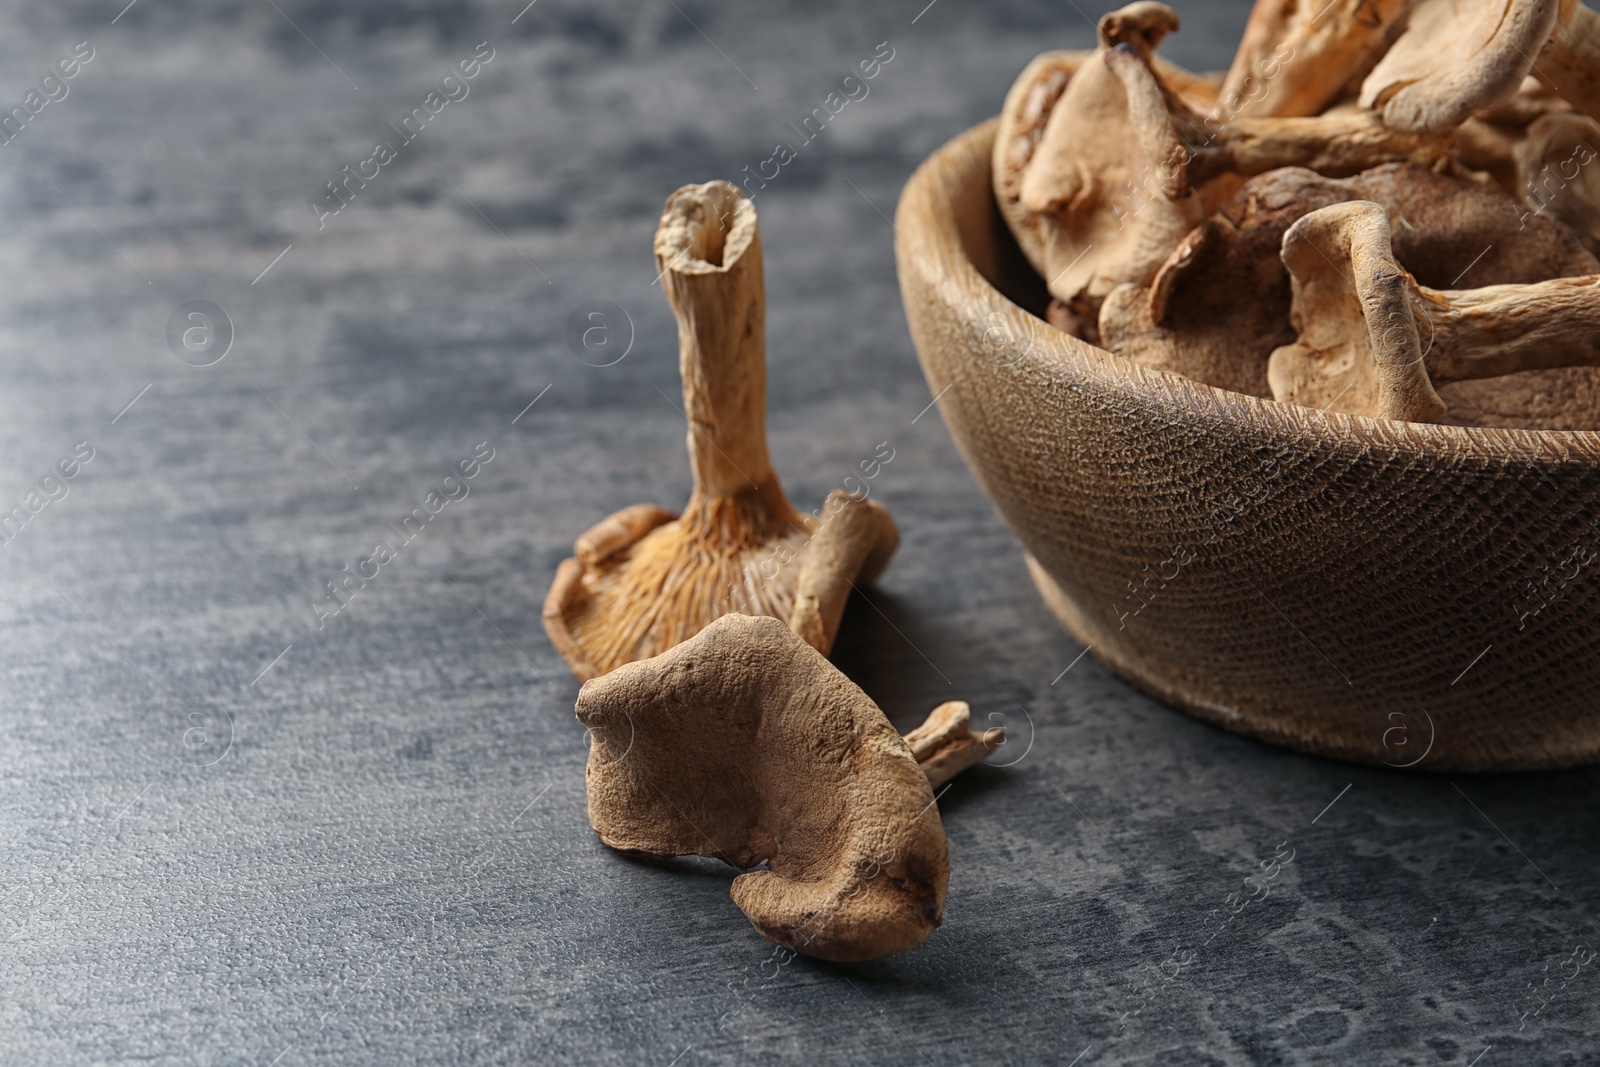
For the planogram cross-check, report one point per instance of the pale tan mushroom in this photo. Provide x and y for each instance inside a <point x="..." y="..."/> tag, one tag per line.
<point x="1093" y="208"/>
<point x="643" y="580"/>
<point x="745" y="744"/>
<point x="1374" y="342"/>
<point x="1456" y="57"/>
<point x="1555" y="174"/>
<point x="1490" y="140"/>
<point x="1295" y="57"/>
<point x="1219" y="305"/>
<point x="1570" y="61"/>
<point x="945" y="745"/>
<point x="1079" y="194"/>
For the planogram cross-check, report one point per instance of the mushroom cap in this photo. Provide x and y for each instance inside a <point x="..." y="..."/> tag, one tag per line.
<point x="1090" y="206"/>
<point x="1456" y="57"/>
<point x="661" y="580"/>
<point x="1359" y="345"/>
<point x="1553" y="163"/>
<point x="1294" y="58"/>
<point x="745" y="744"/>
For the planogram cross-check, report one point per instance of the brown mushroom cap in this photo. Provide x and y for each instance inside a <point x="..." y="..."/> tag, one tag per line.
<point x="745" y="744"/>
<point x="643" y="579"/>
<point x="1082" y="197"/>
<point x="1295" y="57"/>
<point x="1455" y="58"/>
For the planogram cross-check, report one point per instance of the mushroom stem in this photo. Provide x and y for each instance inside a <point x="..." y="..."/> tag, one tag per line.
<point x="1189" y="151"/>
<point x="1335" y="145"/>
<point x="1374" y="342"/>
<point x="1570" y="62"/>
<point x="644" y="580"/>
<point x="1506" y="329"/>
<point x="708" y="250"/>
<point x="1454" y="59"/>
<point x="945" y="745"/>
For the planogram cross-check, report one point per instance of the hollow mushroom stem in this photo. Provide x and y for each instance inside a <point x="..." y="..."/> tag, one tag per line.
<point x="644" y="579"/>
<point x="708" y="252"/>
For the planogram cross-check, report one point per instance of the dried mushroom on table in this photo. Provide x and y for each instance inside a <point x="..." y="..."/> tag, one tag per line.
<point x="718" y="726"/>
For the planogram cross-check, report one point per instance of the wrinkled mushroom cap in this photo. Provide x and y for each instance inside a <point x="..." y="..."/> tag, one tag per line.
<point x="1456" y="57"/>
<point x="746" y="745"/>
<point x="1089" y="204"/>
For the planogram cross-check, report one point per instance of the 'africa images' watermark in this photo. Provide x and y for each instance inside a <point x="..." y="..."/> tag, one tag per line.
<point x="811" y="127"/>
<point x="53" y="88"/>
<point x="351" y="582"/>
<point x="52" y="487"/>
<point x="453" y="88"/>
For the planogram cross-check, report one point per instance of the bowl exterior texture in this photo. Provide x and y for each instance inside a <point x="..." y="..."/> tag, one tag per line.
<point x="1391" y="593"/>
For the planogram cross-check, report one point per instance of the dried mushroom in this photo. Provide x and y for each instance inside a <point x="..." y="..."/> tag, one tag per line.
<point x="1372" y="341"/>
<point x="643" y="580"/>
<point x="1191" y="320"/>
<point x="745" y="744"/>
<point x="1570" y="61"/>
<point x="1554" y="174"/>
<point x="1455" y="58"/>
<point x="1295" y="58"/>
<point x="1093" y="208"/>
<point x="1078" y="192"/>
<point x="1488" y="142"/>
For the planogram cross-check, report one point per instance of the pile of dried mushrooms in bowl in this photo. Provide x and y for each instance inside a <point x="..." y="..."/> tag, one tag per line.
<point x="1284" y="377"/>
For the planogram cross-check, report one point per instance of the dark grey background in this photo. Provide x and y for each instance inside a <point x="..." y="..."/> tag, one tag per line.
<point x="376" y="851"/>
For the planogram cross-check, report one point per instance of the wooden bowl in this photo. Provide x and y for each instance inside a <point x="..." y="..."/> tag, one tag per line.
<point x="1382" y="592"/>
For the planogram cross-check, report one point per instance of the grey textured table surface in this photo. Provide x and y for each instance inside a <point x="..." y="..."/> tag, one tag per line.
<point x="233" y="834"/>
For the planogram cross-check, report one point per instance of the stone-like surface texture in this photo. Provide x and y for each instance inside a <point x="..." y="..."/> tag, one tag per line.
<point x="231" y="832"/>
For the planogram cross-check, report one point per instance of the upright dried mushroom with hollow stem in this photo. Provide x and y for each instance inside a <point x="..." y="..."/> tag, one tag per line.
<point x="744" y="744"/>
<point x="643" y="580"/>
<point x="1093" y="208"/>
<point x="1374" y="342"/>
